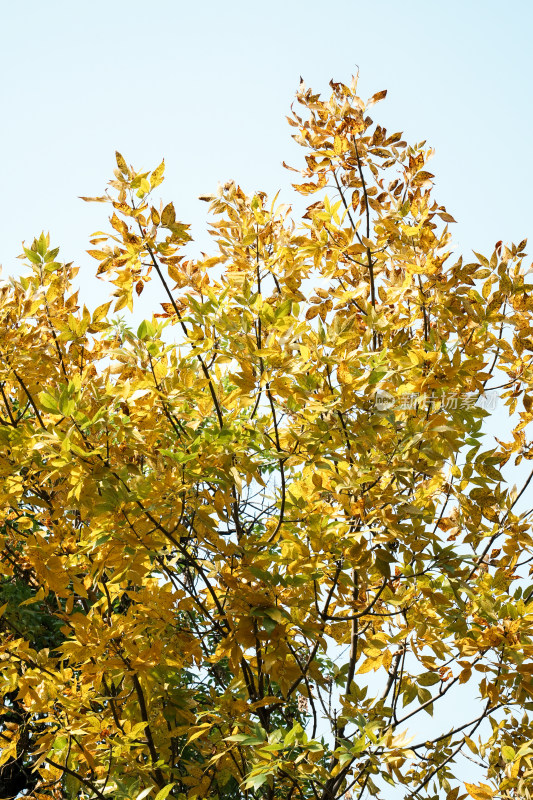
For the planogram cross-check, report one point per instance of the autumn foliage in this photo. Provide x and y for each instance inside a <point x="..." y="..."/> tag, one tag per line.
<point x="253" y="548"/>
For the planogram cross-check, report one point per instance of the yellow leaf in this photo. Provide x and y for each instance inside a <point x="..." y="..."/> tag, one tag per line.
<point x="123" y="301"/>
<point x="237" y="478"/>
<point x="164" y="792"/>
<point x="168" y="217"/>
<point x="370" y="665"/>
<point x="377" y="97"/>
<point x="266" y="701"/>
<point x="343" y="374"/>
<point x="446" y="217"/>
<point x="174" y="273"/>
<point x="102" y="199"/>
<point x="157" y="175"/>
<point x="101" y="311"/>
<point x="98" y="254"/>
<point x="410" y="230"/>
<point x="481" y="792"/>
<point x="200" y="731"/>
<point x="121" y="163"/>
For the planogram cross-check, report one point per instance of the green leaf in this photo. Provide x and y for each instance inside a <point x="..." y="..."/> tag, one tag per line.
<point x="508" y="752"/>
<point x="269" y="624"/>
<point x="243" y="738"/>
<point x="428" y="679"/>
<point x="164" y="792"/>
<point x="146" y="330"/>
<point x="32" y="256"/>
<point x="293" y="735"/>
<point x="255" y="781"/>
<point x="49" y="403"/>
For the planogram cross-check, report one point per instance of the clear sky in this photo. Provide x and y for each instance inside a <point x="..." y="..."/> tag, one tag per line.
<point x="207" y="85"/>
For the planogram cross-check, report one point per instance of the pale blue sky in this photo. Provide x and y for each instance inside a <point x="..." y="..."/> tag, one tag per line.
<point x="208" y="85"/>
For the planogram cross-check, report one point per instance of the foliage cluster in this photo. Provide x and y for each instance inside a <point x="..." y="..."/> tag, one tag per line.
<point x="247" y="547"/>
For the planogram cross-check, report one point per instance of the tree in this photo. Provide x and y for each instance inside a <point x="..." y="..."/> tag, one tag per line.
<point x="248" y="547"/>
